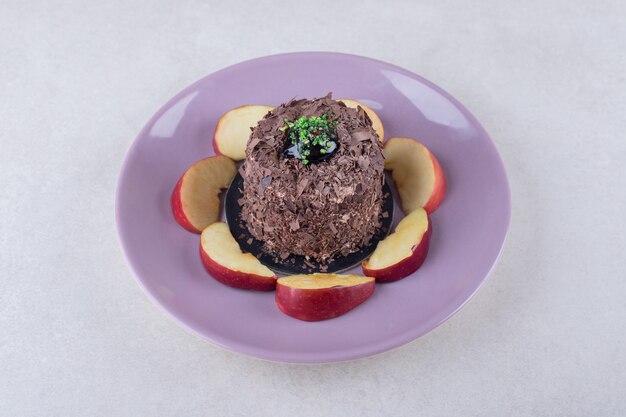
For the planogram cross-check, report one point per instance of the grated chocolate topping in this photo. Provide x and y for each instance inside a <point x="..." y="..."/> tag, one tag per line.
<point x="317" y="210"/>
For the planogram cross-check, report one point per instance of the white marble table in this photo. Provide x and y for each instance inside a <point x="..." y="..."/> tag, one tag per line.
<point x="545" y="336"/>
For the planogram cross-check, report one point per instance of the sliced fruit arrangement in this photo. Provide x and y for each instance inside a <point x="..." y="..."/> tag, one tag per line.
<point x="195" y="200"/>
<point x="316" y="297"/>
<point x="377" y="124"/>
<point x="223" y="259"/>
<point x="233" y="130"/>
<point x="195" y="203"/>
<point x="402" y="252"/>
<point x="416" y="173"/>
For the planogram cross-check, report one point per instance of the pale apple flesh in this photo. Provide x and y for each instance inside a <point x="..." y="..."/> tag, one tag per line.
<point x="402" y="252"/>
<point x="195" y="200"/>
<point x="233" y="130"/>
<point x="223" y="259"/>
<point x="316" y="297"/>
<point x="377" y="124"/>
<point x="416" y="173"/>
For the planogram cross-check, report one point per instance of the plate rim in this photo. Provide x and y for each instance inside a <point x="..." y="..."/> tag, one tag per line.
<point x="342" y="355"/>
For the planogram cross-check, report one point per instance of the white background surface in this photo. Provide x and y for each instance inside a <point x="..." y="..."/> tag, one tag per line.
<point x="546" y="335"/>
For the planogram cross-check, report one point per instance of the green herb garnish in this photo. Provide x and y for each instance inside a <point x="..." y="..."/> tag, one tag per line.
<point x="308" y="132"/>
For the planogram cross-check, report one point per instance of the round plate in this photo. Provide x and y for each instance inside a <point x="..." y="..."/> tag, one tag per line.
<point x="297" y="264"/>
<point x="469" y="228"/>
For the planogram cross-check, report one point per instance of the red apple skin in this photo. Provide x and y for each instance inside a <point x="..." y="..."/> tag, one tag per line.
<point x="321" y="303"/>
<point x="216" y="148"/>
<point x="406" y="266"/>
<point x="177" y="209"/>
<point x="236" y="279"/>
<point x="439" y="188"/>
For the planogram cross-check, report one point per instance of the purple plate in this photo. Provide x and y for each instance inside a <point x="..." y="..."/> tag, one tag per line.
<point x="469" y="228"/>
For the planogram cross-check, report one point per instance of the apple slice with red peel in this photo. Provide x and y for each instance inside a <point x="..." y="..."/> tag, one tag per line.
<point x="318" y="297"/>
<point x="223" y="259"/>
<point x="377" y="124"/>
<point x="233" y="130"/>
<point x="402" y="252"/>
<point x="416" y="173"/>
<point x="195" y="200"/>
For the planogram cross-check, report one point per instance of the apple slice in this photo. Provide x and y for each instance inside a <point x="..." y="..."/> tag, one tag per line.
<point x="377" y="124"/>
<point x="318" y="297"/>
<point x="417" y="174"/>
<point x="196" y="198"/>
<point x="402" y="252"/>
<point x="224" y="261"/>
<point x="233" y="130"/>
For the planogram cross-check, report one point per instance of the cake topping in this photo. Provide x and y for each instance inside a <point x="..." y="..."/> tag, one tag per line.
<point x="310" y="139"/>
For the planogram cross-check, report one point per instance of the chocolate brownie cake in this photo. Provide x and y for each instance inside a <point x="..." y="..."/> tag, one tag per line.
<point x="318" y="195"/>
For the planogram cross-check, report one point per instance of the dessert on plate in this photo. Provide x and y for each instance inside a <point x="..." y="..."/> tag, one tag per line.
<point x="311" y="186"/>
